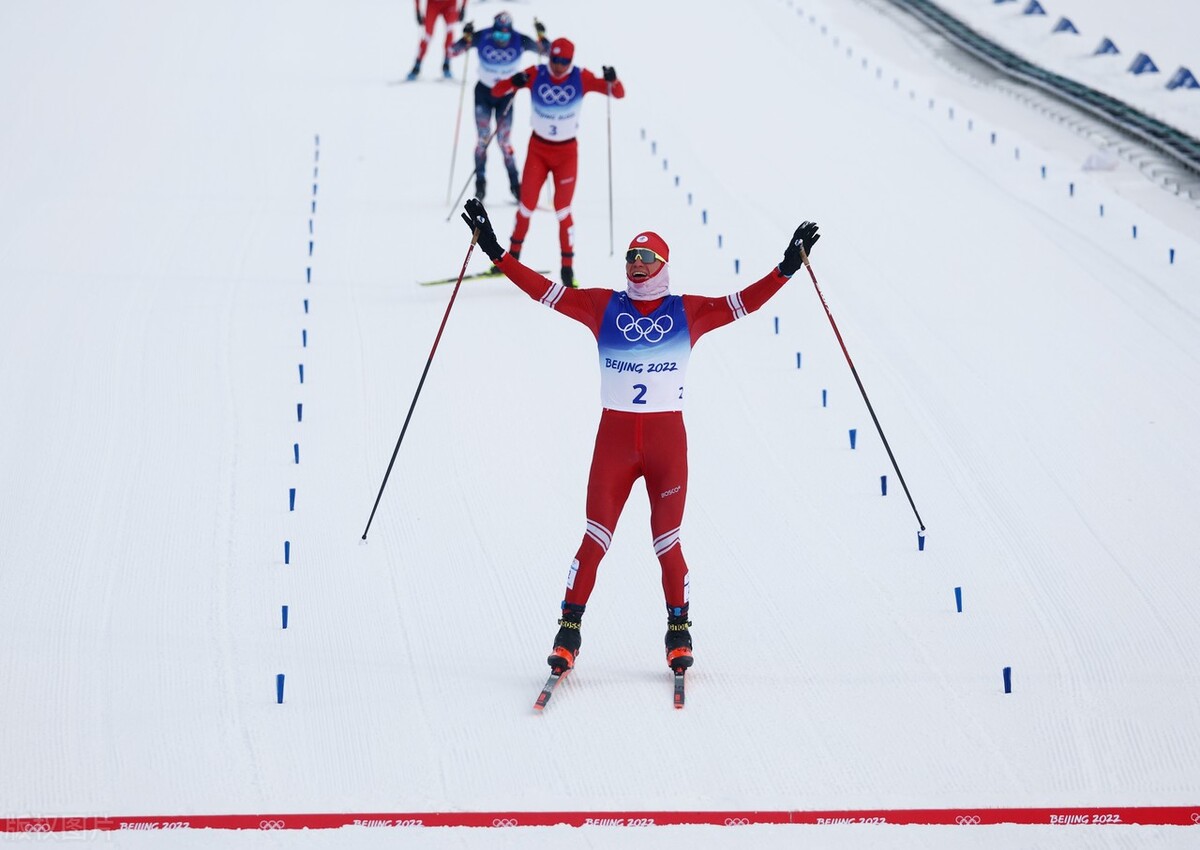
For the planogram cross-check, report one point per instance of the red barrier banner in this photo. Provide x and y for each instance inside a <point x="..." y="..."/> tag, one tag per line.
<point x="1064" y="816"/>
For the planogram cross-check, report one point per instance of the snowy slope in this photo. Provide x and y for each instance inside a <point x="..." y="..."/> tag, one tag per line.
<point x="1033" y="365"/>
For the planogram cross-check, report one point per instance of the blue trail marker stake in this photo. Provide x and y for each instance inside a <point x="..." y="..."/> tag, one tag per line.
<point x="306" y="305"/>
<point x="920" y="541"/>
<point x="310" y="227"/>
<point x="958" y="599"/>
<point x="308" y="270"/>
<point x="1043" y="172"/>
<point x="1171" y="254"/>
<point x="314" y="207"/>
<point x="704" y="216"/>
<point x="720" y="240"/>
<point x="292" y="499"/>
<point x="882" y="485"/>
<point x="296" y="451"/>
<point x="302" y="373"/>
<point x="1071" y="189"/>
<point x="279" y="689"/>
<point x="777" y="325"/>
<point x="304" y="338"/>
<point x="287" y="551"/>
<point x="797" y="359"/>
<point x="737" y="266"/>
<point x="689" y="199"/>
<point x="654" y="147"/>
<point x="1135" y="231"/>
<point x="853" y="437"/>
<point x="299" y="412"/>
<point x="824" y="398"/>
<point x="310" y="244"/>
<point x="1008" y="680"/>
<point x="285" y="616"/>
<point x="1102" y="210"/>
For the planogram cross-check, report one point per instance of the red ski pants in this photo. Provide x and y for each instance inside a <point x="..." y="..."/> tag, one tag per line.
<point x="560" y="159"/>
<point x="434" y="9"/>
<point x="630" y="446"/>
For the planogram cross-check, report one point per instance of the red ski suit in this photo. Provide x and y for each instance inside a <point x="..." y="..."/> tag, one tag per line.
<point x="434" y="9"/>
<point x="633" y="445"/>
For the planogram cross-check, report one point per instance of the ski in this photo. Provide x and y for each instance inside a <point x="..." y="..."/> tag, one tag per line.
<point x="479" y="276"/>
<point x="548" y="689"/>
<point x="679" y="671"/>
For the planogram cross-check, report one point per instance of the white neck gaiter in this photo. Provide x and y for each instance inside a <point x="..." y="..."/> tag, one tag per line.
<point x="650" y="288"/>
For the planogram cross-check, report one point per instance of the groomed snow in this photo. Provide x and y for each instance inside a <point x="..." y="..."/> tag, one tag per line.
<point x="1034" y="367"/>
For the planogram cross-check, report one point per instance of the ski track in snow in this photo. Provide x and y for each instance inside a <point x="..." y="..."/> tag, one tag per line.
<point x="1030" y="364"/>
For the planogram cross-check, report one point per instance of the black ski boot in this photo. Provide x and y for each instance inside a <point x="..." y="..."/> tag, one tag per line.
<point x="480" y="188"/>
<point x="416" y="69"/>
<point x="678" y="639"/>
<point x="568" y="639"/>
<point x="446" y="69"/>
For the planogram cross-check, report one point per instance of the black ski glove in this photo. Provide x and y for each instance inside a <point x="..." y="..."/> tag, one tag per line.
<point x="539" y="28"/>
<point x="610" y="74"/>
<point x="469" y="31"/>
<point x="519" y="80"/>
<point x="476" y="217"/>
<point x="805" y="237"/>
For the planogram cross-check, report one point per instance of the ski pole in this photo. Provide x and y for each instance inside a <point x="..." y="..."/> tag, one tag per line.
<point x="608" y="109"/>
<point x="861" y="389"/>
<point x="462" y="96"/>
<point x="486" y="142"/>
<point x="421" y="383"/>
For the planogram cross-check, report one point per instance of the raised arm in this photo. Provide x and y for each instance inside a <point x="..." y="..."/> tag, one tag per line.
<point x="706" y="314"/>
<point x="583" y="305"/>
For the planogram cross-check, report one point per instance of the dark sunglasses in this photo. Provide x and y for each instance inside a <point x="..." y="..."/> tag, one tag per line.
<point x="559" y="60"/>
<point x="644" y="254"/>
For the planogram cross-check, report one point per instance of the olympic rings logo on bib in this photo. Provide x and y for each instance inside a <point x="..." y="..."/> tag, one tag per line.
<point x="561" y="95"/>
<point x="644" y="327"/>
<point x="497" y="55"/>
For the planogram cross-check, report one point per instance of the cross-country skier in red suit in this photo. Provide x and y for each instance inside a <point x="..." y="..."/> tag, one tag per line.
<point x="645" y="337"/>
<point x="556" y="93"/>
<point x="449" y="11"/>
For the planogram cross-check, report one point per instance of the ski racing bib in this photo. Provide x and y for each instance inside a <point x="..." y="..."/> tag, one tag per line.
<point x="556" y="104"/>
<point x="643" y="359"/>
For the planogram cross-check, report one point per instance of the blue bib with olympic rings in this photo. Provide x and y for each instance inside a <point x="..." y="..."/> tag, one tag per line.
<point x="556" y="104"/>
<point x="643" y="359"/>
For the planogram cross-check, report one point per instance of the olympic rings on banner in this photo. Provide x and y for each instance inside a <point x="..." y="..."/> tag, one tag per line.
<point x="644" y="327"/>
<point x="1195" y="817"/>
<point x="737" y="821"/>
<point x="37" y="827"/>
<point x="555" y="95"/>
<point x="967" y="820"/>
<point x="271" y="824"/>
<point x="504" y="822"/>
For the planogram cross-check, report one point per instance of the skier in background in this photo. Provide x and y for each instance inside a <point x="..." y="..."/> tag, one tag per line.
<point x="645" y="336"/>
<point x="556" y="93"/>
<point x="500" y="49"/>
<point x="434" y="9"/>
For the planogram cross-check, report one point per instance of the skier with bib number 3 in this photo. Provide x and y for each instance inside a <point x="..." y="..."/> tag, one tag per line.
<point x="645" y="336"/>
<point x="556" y="92"/>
